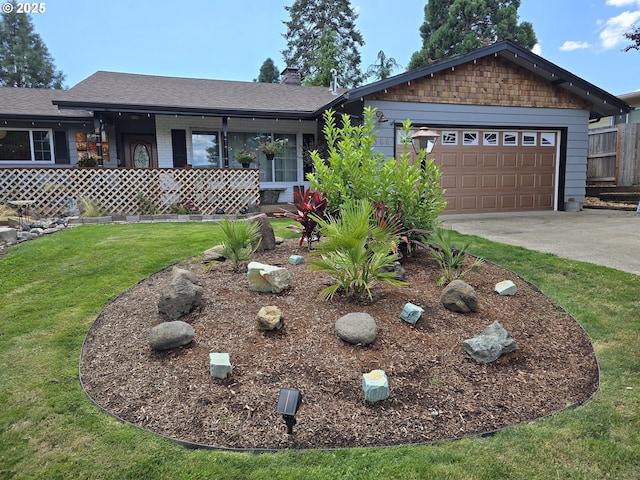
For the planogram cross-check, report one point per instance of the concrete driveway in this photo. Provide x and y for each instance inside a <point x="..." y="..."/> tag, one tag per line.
<point x="604" y="237"/>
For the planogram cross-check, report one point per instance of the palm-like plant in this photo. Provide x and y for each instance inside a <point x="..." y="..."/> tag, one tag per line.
<point x="240" y="241"/>
<point x="451" y="259"/>
<point x="355" y="251"/>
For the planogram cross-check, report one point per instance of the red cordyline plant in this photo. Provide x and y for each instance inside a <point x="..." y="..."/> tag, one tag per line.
<point x="308" y="205"/>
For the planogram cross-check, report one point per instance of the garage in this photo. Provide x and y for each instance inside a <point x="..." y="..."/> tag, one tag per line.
<point x="494" y="170"/>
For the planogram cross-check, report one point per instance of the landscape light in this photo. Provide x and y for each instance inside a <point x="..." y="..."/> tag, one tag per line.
<point x="288" y="403"/>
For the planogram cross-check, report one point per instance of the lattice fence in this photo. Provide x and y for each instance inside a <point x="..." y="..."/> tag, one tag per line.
<point x="124" y="191"/>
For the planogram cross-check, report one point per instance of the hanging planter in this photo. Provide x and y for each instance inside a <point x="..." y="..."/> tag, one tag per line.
<point x="245" y="157"/>
<point x="271" y="148"/>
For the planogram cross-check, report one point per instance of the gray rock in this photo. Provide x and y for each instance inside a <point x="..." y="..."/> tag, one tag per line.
<point x="270" y="318"/>
<point x="357" y="328"/>
<point x="214" y="254"/>
<point x="506" y="287"/>
<point x="169" y="335"/>
<point x="8" y="235"/>
<point x="396" y="268"/>
<point x="267" y="278"/>
<point x="182" y="296"/>
<point x="266" y="232"/>
<point x="460" y="297"/>
<point x="493" y="342"/>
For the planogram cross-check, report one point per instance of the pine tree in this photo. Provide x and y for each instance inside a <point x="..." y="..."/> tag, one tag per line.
<point x="24" y="59"/>
<point x="634" y="36"/>
<point x="268" y="72"/>
<point x="456" y="27"/>
<point x="382" y="68"/>
<point x="310" y="22"/>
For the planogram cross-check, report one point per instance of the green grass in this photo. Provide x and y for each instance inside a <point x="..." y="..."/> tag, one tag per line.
<point x="51" y="290"/>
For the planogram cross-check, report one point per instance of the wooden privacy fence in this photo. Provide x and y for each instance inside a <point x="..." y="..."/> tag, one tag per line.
<point x="614" y="155"/>
<point x="55" y="191"/>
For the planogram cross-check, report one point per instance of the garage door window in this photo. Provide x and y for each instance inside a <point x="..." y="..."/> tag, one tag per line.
<point x="490" y="138"/>
<point x="449" y="138"/>
<point x="470" y="138"/>
<point x="529" y="139"/>
<point x="510" y="139"/>
<point x="548" y="139"/>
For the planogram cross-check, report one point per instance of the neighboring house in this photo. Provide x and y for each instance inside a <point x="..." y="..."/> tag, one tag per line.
<point x="513" y="126"/>
<point x="633" y="116"/>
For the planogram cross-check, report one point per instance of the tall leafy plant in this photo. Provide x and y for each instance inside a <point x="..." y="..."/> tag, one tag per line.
<point x="240" y="240"/>
<point x="355" y="252"/>
<point x="309" y="206"/>
<point x="354" y="170"/>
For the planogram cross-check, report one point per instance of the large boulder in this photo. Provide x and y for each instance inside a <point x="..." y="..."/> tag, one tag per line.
<point x="459" y="297"/>
<point x="169" y="335"/>
<point x="357" y="328"/>
<point x="213" y="254"/>
<point x="8" y="236"/>
<point x="268" y="241"/>
<point x="493" y="342"/>
<point x="182" y="296"/>
<point x="267" y="278"/>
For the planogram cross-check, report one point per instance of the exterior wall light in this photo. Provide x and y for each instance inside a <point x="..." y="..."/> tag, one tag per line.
<point x="424" y="139"/>
<point x="288" y="403"/>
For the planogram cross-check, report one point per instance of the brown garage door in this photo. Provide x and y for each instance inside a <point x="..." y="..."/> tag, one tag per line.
<point x="497" y="170"/>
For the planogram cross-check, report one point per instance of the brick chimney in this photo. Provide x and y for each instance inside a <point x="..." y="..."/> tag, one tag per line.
<point x="290" y="76"/>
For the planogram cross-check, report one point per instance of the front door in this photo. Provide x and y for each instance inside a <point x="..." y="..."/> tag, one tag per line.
<point x="140" y="151"/>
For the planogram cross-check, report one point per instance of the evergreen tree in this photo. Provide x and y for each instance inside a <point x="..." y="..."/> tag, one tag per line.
<point x="268" y="72"/>
<point x="456" y="27"/>
<point x="382" y="68"/>
<point x="24" y="59"/>
<point x="327" y="60"/>
<point x="310" y="21"/>
<point x="634" y="36"/>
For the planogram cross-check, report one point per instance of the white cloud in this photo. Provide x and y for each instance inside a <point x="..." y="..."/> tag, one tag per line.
<point x="616" y="27"/>
<point x="537" y="49"/>
<point x="570" y="46"/>
<point x="622" y="3"/>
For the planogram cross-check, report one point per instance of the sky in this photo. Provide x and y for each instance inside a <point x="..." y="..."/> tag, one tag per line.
<point x="230" y="39"/>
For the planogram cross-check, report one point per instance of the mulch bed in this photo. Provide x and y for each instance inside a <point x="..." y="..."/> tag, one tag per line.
<point x="436" y="390"/>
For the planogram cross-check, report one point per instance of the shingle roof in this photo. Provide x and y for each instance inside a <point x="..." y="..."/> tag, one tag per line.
<point x="123" y="91"/>
<point x="35" y="102"/>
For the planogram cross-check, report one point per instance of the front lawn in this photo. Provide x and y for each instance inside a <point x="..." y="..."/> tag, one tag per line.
<point x="51" y="290"/>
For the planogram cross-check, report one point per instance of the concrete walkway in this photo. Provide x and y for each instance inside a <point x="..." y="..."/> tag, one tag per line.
<point x="604" y="237"/>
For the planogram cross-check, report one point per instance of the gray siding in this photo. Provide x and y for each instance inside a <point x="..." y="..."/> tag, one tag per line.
<point x="576" y="122"/>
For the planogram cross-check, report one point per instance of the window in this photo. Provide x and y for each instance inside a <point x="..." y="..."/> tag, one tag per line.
<point x="206" y="149"/>
<point x="510" y="139"/>
<point x="26" y="145"/>
<point x="449" y="138"/>
<point x="470" y="138"/>
<point x="529" y="139"/>
<point x="490" y="138"/>
<point x="548" y="139"/>
<point x="284" y="167"/>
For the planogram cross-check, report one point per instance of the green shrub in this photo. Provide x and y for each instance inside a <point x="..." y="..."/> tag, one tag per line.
<point x="354" y="170"/>
<point x="240" y="240"/>
<point x="355" y="250"/>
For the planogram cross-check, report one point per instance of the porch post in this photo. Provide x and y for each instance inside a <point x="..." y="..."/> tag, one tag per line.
<point x="225" y="141"/>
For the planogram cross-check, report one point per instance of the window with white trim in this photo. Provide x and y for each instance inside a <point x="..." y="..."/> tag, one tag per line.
<point x="510" y="139"/>
<point x="529" y="139"/>
<point x="26" y="145"/>
<point x="548" y="139"/>
<point x="206" y="149"/>
<point x="490" y="138"/>
<point x="449" y="137"/>
<point x="470" y="138"/>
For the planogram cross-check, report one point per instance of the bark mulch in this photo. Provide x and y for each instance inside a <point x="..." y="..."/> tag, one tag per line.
<point x="436" y="390"/>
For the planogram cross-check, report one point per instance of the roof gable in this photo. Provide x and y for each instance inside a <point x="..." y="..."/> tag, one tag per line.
<point x="564" y="83"/>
